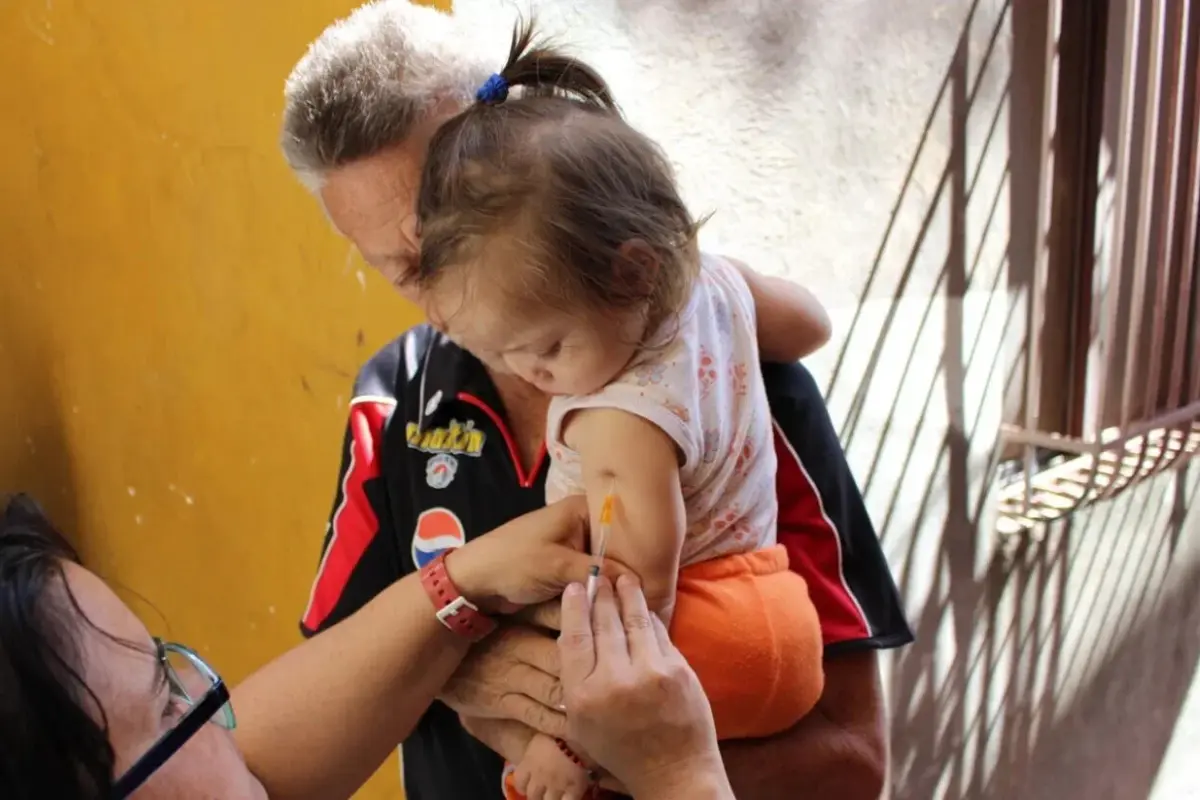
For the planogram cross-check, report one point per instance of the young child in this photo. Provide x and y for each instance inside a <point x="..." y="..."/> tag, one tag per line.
<point x="555" y="246"/>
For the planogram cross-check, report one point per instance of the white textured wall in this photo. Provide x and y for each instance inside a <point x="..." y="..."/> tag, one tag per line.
<point x="883" y="152"/>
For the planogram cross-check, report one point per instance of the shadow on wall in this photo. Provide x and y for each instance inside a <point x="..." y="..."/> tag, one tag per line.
<point x="1059" y="672"/>
<point x="1055" y="668"/>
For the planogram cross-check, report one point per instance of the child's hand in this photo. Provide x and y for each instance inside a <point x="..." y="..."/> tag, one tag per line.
<point x="546" y="773"/>
<point x="791" y="322"/>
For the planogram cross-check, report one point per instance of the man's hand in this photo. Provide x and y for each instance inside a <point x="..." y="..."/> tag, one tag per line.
<point x="546" y="615"/>
<point x="838" y="750"/>
<point x="506" y="737"/>
<point x="512" y="675"/>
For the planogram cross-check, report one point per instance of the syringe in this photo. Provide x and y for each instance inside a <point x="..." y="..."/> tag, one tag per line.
<point x="603" y="528"/>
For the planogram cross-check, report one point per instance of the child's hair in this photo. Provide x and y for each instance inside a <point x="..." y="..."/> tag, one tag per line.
<point x="559" y="170"/>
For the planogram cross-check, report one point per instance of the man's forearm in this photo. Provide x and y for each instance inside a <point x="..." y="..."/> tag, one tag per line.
<point x="816" y="759"/>
<point x="320" y="719"/>
<point x="697" y="787"/>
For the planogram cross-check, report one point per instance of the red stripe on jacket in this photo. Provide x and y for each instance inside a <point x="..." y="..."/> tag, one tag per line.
<point x="815" y="548"/>
<point x="354" y="524"/>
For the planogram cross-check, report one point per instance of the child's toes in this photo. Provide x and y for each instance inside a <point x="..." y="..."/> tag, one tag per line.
<point x="520" y="782"/>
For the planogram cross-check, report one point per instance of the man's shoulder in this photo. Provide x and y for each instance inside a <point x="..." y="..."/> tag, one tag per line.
<point x="802" y="419"/>
<point x="791" y="388"/>
<point x="395" y="366"/>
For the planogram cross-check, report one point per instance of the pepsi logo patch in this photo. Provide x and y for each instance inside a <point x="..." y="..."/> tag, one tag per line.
<point x="438" y="530"/>
<point x="439" y="470"/>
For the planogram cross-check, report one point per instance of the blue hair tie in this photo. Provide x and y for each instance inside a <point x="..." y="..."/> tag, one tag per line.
<point x="494" y="90"/>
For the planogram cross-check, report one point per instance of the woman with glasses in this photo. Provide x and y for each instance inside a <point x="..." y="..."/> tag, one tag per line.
<point x="91" y="706"/>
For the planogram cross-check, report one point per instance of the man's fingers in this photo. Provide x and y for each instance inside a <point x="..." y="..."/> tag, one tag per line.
<point x="638" y="621"/>
<point x="576" y="645"/>
<point x="535" y="715"/>
<point x="507" y="737"/>
<point x="543" y="615"/>
<point x="536" y="685"/>
<point x="535" y="649"/>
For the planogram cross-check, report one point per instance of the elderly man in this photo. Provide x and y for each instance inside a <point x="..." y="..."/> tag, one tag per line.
<point x="439" y="450"/>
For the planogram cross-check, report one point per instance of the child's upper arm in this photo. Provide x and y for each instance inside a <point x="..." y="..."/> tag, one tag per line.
<point x="632" y="457"/>
<point x="791" y="322"/>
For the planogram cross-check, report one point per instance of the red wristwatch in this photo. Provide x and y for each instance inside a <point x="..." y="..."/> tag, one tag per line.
<point x="453" y="610"/>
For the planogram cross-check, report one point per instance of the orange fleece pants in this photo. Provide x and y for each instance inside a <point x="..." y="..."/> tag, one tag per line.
<point x="746" y="625"/>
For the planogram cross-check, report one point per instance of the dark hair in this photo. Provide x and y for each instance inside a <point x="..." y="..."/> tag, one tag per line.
<point x="50" y="745"/>
<point x="558" y="167"/>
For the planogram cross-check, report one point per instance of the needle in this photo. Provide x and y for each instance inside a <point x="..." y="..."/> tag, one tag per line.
<point x="603" y="530"/>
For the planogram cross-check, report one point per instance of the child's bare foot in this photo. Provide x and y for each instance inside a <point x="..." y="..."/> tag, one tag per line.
<point x="546" y="773"/>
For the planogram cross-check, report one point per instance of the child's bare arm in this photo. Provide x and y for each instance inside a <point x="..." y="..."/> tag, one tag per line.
<point x="633" y="457"/>
<point x="792" y="323"/>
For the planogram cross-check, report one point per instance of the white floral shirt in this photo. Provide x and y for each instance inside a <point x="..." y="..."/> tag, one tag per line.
<point x="704" y="389"/>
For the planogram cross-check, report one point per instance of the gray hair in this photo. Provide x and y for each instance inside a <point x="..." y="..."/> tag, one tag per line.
<point x="370" y="79"/>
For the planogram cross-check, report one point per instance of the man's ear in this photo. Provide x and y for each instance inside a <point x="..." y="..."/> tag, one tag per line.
<point x="636" y="267"/>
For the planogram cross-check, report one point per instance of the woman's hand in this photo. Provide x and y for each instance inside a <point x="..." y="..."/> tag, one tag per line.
<point x="633" y="703"/>
<point x="528" y="560"/>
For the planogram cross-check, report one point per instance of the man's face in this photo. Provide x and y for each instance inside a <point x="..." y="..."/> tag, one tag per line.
<point x="373" y="203"/>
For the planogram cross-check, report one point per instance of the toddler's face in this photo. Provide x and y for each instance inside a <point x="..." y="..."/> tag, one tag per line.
<point x="558" y="351"/>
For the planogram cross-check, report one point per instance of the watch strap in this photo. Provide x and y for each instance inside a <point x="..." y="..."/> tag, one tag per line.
<point x="453" y="610"/>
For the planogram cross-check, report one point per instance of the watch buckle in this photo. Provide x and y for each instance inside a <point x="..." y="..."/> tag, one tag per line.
<point x="454" y="608"/>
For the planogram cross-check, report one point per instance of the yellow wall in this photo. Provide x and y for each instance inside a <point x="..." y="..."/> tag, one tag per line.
<point x="179" y="327"/>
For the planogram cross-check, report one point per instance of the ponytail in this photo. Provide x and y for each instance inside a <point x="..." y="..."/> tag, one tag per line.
<point x="559" y="167"/>
<point x="541" y="71"/>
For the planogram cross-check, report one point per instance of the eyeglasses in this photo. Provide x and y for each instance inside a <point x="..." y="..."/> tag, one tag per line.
<point x="196" y="685"/>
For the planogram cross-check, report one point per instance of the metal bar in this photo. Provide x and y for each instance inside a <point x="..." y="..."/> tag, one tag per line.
<point x="1194" y="317"/>
<point x="1144" y="220"/>
<point x="1037" y="291"/>
<point x="1112" y="469"/>
<point x="1059" y="488"/>
<point x="1177" y="83"/>
<point x="1109" y="438"/>
<point x="1132" y="433"/>
<point x="1195" y="322"/>
<point x="1053" y="441"/>
<point x="1124" y="146"/>
<point x="1129" y="60"/>
<point x="1176" y="416"/>
<point x="1070" y="233"/>
<point x="1083" y="266"/>
<point x="1183" y="351"/>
